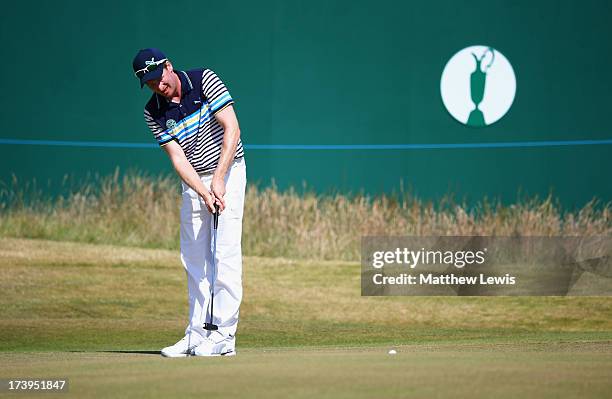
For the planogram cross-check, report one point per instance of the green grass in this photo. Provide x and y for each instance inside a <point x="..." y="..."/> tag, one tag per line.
<point x="94" y="312"/>
<point x="458" y="371"/>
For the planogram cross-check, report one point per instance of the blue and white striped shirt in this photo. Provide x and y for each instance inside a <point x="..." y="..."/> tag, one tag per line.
<point x="192" y="123"/>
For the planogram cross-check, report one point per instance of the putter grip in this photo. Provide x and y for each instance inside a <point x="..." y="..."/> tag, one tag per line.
<point x="216" y="217"/>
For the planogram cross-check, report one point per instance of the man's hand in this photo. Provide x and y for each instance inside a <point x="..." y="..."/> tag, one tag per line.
<point x="218" y="189"/>
<point x="209" y="199"/>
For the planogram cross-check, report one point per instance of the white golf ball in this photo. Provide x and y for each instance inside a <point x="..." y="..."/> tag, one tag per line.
<point x="393" y="352"/>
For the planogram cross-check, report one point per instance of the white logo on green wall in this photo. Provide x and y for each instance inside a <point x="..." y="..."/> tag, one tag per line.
<point x="478" y="86"/>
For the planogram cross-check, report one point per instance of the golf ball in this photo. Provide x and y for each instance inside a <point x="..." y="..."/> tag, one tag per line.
<point x="392" y="352"/>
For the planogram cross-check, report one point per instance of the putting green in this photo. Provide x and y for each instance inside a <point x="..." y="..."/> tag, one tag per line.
<point x="501" y="371"/>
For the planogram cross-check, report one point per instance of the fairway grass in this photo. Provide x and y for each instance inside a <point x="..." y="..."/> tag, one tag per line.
<point x="99" y="314"/>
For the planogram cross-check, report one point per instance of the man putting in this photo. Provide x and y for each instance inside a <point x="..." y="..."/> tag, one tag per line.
<point x="191" y="116"/>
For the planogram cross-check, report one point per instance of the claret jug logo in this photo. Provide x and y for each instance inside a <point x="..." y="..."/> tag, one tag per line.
<point x="478" y="86"/>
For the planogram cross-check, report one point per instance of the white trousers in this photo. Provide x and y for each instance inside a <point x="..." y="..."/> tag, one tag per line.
<point x="197" y="254"/>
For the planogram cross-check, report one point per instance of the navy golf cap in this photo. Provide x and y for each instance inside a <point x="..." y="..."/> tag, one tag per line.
<point x="148" y="64"/>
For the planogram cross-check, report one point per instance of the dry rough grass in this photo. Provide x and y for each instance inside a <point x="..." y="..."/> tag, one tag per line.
<point x="139" y="210"/>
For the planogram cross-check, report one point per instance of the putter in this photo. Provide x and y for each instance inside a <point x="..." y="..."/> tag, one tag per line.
<point x="211" y="326"/>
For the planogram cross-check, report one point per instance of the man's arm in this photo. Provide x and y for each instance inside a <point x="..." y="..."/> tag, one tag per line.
<point x="231" y="134"/>
<point x="188" y="173"/>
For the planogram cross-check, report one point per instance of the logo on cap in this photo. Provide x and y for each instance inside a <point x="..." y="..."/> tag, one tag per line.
<point x="148" y="65"/>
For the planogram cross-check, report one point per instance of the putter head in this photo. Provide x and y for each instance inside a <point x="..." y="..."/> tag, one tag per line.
<point x="211" y="327"/>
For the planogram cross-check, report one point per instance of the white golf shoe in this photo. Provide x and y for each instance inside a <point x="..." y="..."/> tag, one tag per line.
<point x="183" y="347"/>
<point x="216" y="345"/>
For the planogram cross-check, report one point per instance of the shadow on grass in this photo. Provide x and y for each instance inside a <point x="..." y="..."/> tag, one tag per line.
<point x="138" y="352"/>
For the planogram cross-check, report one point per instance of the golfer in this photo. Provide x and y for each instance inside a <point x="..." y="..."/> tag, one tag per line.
<point x="191" y="115"/>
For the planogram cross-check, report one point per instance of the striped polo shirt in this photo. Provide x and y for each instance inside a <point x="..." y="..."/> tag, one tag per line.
<point x="192" y="123"/>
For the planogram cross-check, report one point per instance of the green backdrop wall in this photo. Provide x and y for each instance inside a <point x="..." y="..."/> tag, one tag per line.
<point x="319" y="73"/>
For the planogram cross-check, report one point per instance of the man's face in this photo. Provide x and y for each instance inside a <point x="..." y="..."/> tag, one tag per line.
<point x="166" y="85"/>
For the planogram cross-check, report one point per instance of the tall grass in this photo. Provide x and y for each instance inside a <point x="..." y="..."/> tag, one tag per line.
<point x="140" y="210"/>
